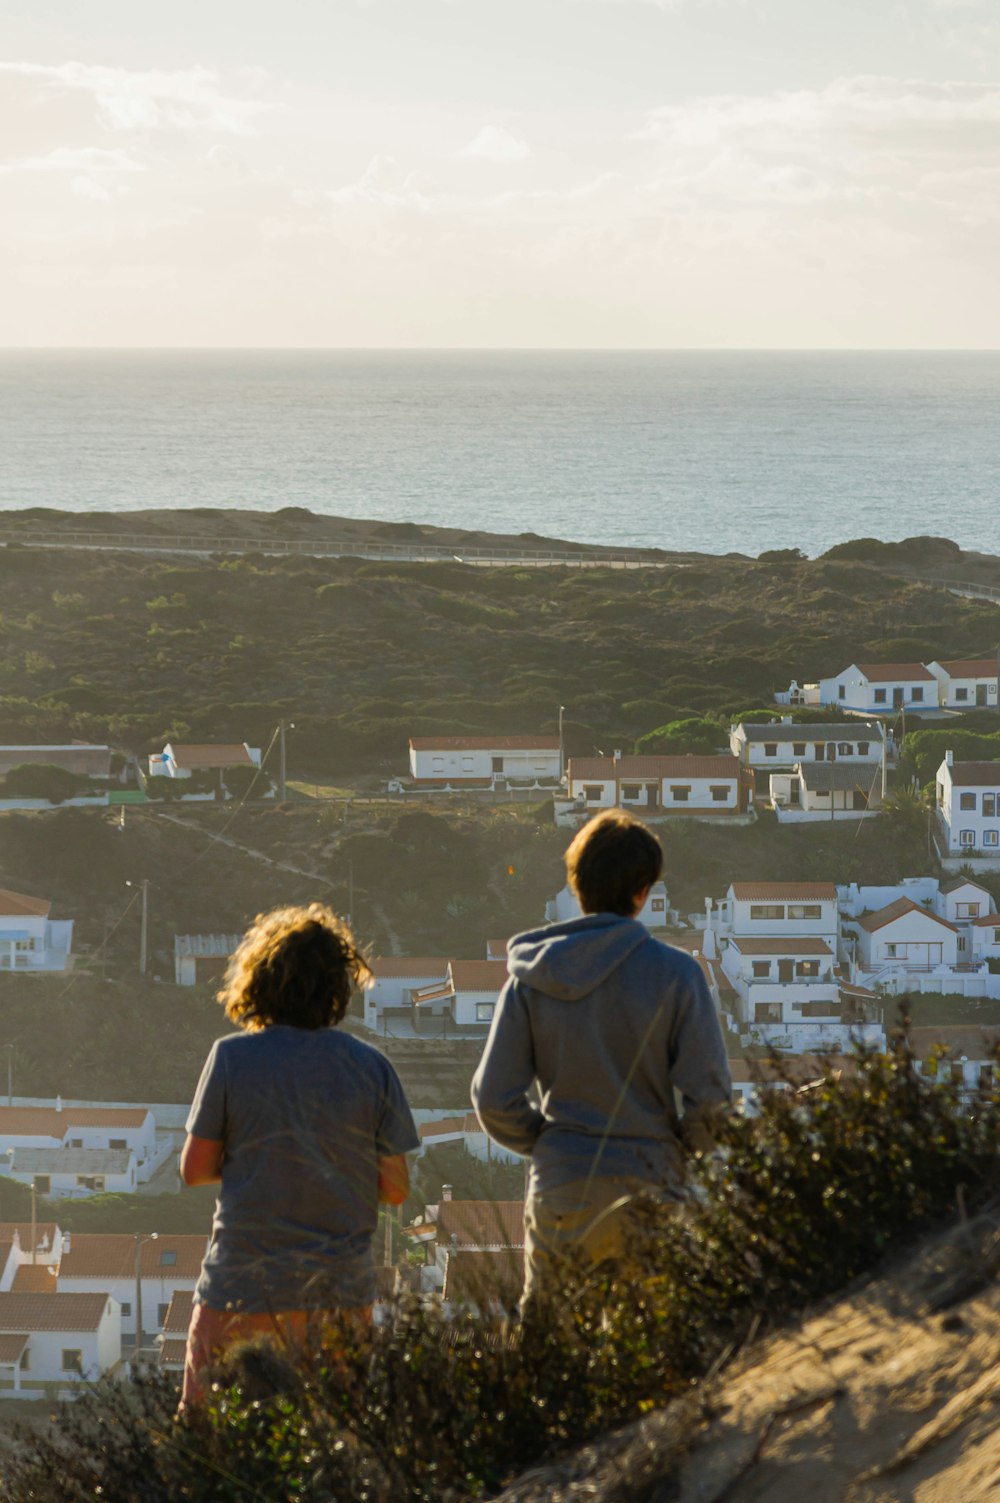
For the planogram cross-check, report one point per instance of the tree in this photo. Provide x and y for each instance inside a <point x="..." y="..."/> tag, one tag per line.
<point x="697" y="735"/>
<point x="246" y="782"/>
<point x="42" y="780"/>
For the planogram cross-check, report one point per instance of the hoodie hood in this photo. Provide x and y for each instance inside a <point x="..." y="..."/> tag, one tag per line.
<point x="569" y="960"/>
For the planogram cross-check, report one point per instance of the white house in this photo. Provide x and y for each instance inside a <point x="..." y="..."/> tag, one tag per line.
<point x="782" y="909"/>
<point x="655" y="911"/>
<point x="961" y="1055"/>
<point x="396" y="977"/>
<point x="467" y="995"/>
<point x="119" y="1129"/>
<point x="82" y="758"/>
<point x="59" y="1173"/>
<point x="711" y="786"/>
<point x="467" y="1130"/>
<point x="880" y="687"/>
<point x="181" y="761"/>
<point x="18" y="1234"/>
<point x="484" y="761"/>
<point x="202" y="957"/>
<point x="968" y="807"/>
<point x="906" y="937"/>
<point x="984" y="941"/>
<point x="817" y="791"/>
<point x="961" y="901"/>
<point x="31" y="942"/>
<point x="786" y="743"/>
<point x="453" y="1225"/>
<point x="167" y="1264"/>
<point x="51" y="1345"/>
<point x="966" y="683"/>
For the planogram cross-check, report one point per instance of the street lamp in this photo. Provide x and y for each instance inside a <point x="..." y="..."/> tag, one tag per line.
<point x="139" y="1238"/>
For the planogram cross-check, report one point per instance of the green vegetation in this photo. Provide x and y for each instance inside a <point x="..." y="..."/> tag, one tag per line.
<point x="796" y="1204"/>
<point x="923" y="750"/>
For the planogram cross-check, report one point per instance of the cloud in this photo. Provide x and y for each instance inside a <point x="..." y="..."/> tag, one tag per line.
<point x="77" y="159"/>
<point x="494" y="144"/>
<point x="126" y="100"/>
<point x="383" y="186"/>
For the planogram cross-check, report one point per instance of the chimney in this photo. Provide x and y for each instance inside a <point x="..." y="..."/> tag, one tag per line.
<point x="949" y="758"/>
<point x="67" y="1243"/>
<point x="618" y="754"/>
<point x="709" y="948"/>
<point x="446" y="1192"/>
<point x="58" y="1103"/>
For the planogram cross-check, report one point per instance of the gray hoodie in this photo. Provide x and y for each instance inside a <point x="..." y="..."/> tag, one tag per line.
<point x="609" y="1022"/>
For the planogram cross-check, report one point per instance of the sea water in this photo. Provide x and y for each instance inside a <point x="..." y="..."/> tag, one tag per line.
<point x="709" y="451"/>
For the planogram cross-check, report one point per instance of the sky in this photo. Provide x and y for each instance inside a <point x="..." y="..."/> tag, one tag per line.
<point x="500" y="173"/>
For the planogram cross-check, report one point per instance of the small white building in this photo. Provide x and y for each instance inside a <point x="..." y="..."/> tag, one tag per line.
<point x="968" y="807"/>
<point x="783" y="910"/>
<point x="456" y="1225"/>
<point x="966" y="683"/>
<point x="467" y="996"/>
<point x="711" y="787"/>
<point x="124" y="1130"/>
<point x="984" y="940"/>
<point x="202" y="957"/>
<point x="655" y="911"/>
<point x="182" y="761"/>
<point x="868" y="687"/>
<point x="31" y="942"/>
<point x="167" y="1263"/>
<point x="396" y="978"/>
<point x="904" y="936"/>
<point x="467" y="1130"/>
<point x="787" y="743"/>
<point x="84" y="759"/>
<point x="69" y="1173"/>
<point x="484" y="761"/>
<point x="817" y="791"/>
<point x="52" y="1345"/>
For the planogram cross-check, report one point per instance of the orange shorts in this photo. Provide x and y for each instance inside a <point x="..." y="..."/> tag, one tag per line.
<point x="212" y="1332"/>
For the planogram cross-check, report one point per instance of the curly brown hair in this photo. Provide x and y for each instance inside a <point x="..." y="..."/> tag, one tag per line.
<point x="294" y="965"/>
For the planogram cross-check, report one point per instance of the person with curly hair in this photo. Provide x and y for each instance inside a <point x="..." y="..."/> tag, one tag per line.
<point x="305" y="1130"/>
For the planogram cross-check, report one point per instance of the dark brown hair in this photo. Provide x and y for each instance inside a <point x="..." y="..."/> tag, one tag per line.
<point x="294" y="965"/>
<point x="610" y="860"/>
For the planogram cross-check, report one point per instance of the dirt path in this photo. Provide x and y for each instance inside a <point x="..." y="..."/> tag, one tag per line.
<point x="247" y="850"/>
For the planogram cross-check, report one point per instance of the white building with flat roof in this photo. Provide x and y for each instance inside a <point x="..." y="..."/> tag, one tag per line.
<point x="484" y="761"/>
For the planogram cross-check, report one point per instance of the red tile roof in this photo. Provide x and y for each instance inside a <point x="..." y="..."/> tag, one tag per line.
<point x="976" y="1043"/>
<point x="485" y="743"/>
<point x="975" y="774"/>
<point x="11" y="1348"/>
<point x="173" y="1352"/>
<point x="94" y="1255"/>
<point x="212" y="754"/>
<point x="477" y="1276"/>
<point x="481" y="1223"/>
<point x="987" y="921"/>
<point x="638" y="768"/>
<point x="52" y="1312"/>
<point x="390" y="966"/>
<point x="478" y="975"/>
<point x="781" y="946"/>
<point x="447" y="1126"/>
<point x="178" y="1316"/>
<point x="882" y="673"/>
<point x="46" y="1121"/>
<point x="892" y="911"/>
<point x="35" y="1278"/>
<point x="43" y="1229"/>
<point x="969" y="667"/>
<point x="20" y="905"/>
<point x="784" y="892"/>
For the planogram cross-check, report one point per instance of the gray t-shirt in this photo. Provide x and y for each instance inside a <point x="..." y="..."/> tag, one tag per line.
<point x="304" y="1116"/>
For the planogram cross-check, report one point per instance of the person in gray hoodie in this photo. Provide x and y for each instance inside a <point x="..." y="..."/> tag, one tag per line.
<point x="596" y="1029"/>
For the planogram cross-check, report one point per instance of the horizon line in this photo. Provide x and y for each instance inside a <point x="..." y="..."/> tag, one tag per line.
<point x="420" y="349"/>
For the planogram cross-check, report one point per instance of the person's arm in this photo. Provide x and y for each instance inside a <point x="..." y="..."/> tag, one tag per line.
<point x="393" y="1180"/>
<point x="501" y="1085"/>
<point x="201" y="1161"/>
<point x="699" y="1068"/>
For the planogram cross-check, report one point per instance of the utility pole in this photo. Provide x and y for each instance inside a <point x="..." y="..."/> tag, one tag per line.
<point x="387" y="1254"/>
<point x="139" y="1240"/>
<point x="885" y="736"/>
<point x="282" y="727"/>
<point x="561" y="756"/>
<point x="10" y="1074"/>
<point x="144" y="930"/>
<point x="34" y="1224"/>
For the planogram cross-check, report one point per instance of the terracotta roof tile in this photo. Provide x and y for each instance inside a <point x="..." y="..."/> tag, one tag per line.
<point x="803" y="946"/>
<point x="94" y="1255"/>
<point x="784" y="892"/>
<point x="173" y="1352"/>
<point x="52" y="1312"/>
<point x="46" y="1121"/>
<point x="485" y="743"/>
<point x="178" y="1316"/>
<point x="478" y="975"/>
<point x="880" y="673"/>
<point x="212" y="754"/>
<point x="35" y="1278"/>
<point x="969" y="667"/>
<point x="44" y="1231"/>
<point x="481" y="1223"/>
<point x="976" y="1043"/>
<point x="987" y="921"/>
<point x="18" y="904"/>
<point x="637" y="768"/>
<point x="11" y="1348"/>
<point x="976" y="774"/>
<point x="892" y="911"/>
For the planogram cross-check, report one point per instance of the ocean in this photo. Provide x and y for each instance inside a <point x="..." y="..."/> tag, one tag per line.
<point x="708" y="451"/>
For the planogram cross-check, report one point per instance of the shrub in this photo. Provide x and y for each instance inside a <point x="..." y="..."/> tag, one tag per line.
<point x="42" y="780"/>
<point x="791" y="1207"/>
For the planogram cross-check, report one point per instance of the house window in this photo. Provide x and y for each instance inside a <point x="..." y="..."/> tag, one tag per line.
<point x="631" y="791"/>
<point x="496" y="763"/>
<point x="770" y="748"/>
<point x="996" y="936"/>
<point x="966" y="800"/>
<point x="957" y="1072"/>
<point x="840" y="692"/>
<point x="863" y="748"/>
<point x="807" y="968"/>
<point x="126" y="1307"/>
<point x="767" y="1012"/>
<point x="76" y="1142"/>
<point x="798" y="748"/>
<point x="966" y="910"/>
<point x="986" y="1077"/>
<point x="118" y="1142"/>
<point x="821" y="1009"/>
<point x="72" y="1360"/>
<point x="845" y="749"/>
<point x="990" y="804"/>
<point x="437" y="764"/>
<point x="592" y="792"/>
<point x="680" y="793"/>
<point x="961" y="694"/>
<point x="989" y="837"/>
<point x="879" y="696"/>
<point x="484" y="1012"/>
<point x="168" y="1258"/>
<point x="761" y="967"/>
<point x="961" y="942"/>
<point x="767" y="910"/>
<point x="24" y="945"/>
<point x="720" y="793"/>
<point x="917" y="695"/>
<point x="805" y="910"/>
<point x="43" y="1184"/>
<point x="90" y="1181"/>
<point x="467" y="764"/>
<point x="890" y="950"/>
<point x="967" y="837"/>
<point x="659" y="905"/>
<point x="25" y="1362"/>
